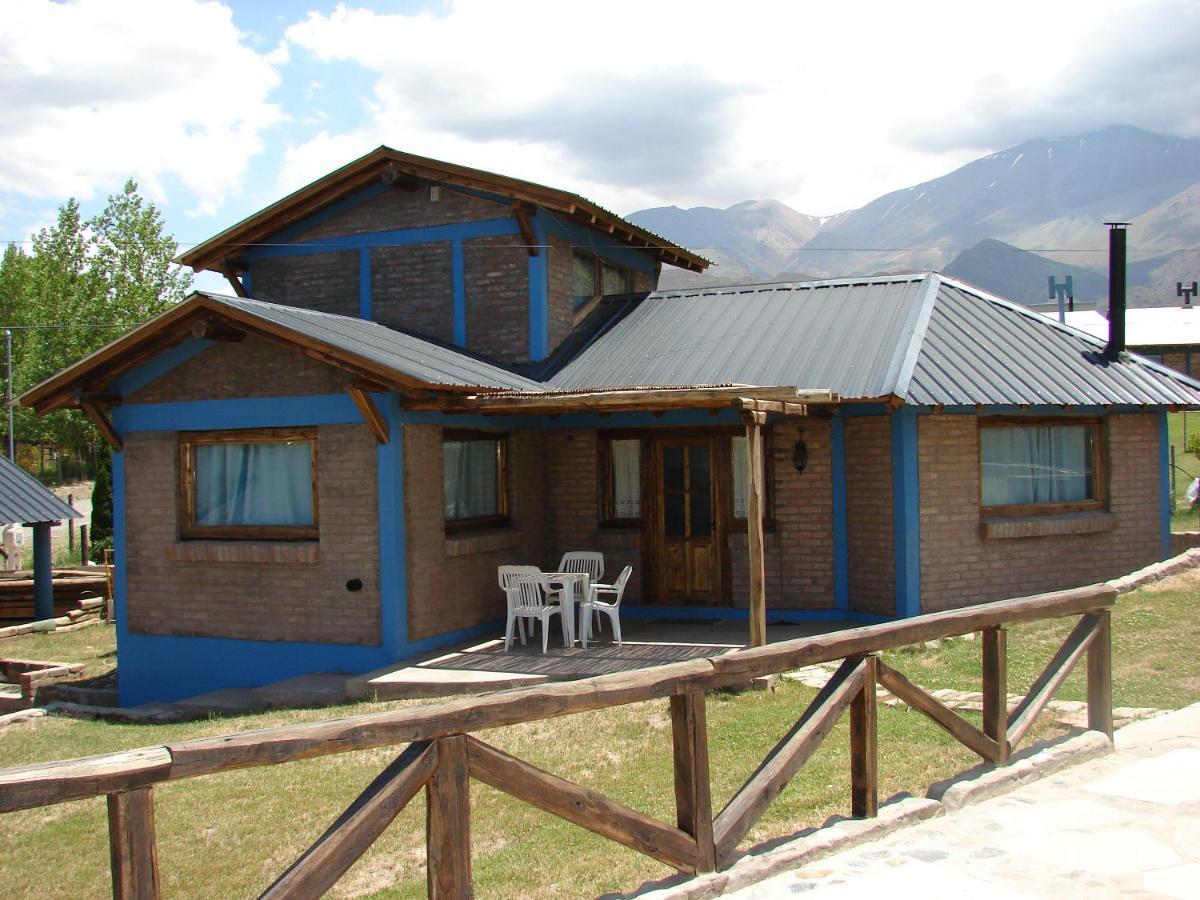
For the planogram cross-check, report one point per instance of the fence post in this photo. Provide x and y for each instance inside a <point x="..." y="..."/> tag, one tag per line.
<point x="83" y="545"/>
<point x="133" y="853"/>
<point x="693" y="797"/>
<point x="995" y="688"/>
<point x="864" y="757"/>
<point x="71" y="524"/>
<point x="1099" y="676"/>
<point x="448" y="822"/>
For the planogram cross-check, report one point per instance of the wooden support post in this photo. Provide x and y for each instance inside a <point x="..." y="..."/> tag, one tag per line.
<point x="448" y="822"/>
<point x="995" y="689"/>
<point x="864" y="756"/>
<point x="133" y="852"/>
<point x="1099" y="676"/>
<point x="754" y="526"/>
<point x="693" y="798"/>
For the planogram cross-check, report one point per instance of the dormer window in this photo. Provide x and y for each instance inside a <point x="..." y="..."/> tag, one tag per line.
<point x="592" y="279"/>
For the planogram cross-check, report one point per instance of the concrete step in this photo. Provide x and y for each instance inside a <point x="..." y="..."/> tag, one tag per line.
<point x="405" y="681"/>
<point x="227" y="702"/>
<point x="313" y="689"/>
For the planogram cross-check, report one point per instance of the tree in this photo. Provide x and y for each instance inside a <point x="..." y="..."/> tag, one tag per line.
<point x="101" y="534"/>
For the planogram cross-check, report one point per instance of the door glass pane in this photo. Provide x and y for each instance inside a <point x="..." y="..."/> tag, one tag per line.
<point x="673" y="468"/>
<point x="701" y="514"/>
<point x="698" y="477"/>
<point x="673" y="515"/>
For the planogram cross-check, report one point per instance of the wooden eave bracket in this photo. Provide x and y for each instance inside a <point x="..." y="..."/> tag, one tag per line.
<point x="521" y="214"/>
<point x="370" y="413"/>
<point x="236" y="283"/>
<point x="102" y="423"/>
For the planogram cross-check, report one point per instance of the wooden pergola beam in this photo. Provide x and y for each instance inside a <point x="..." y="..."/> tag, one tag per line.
<point x="784" y="400"/>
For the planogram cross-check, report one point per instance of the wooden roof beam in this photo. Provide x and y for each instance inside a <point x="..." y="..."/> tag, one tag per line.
<point x="102" y="425"/>
<point x="521" y="214"/>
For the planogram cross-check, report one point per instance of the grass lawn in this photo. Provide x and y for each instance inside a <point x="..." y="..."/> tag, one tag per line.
<point x="94" y="646"/>
<point x="1187" y="467"/>
<point x="229" y="835"/>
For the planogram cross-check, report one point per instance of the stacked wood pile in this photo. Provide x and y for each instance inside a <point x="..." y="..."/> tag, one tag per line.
<point x="70" y="586"/>
<point x="85" y="611"/>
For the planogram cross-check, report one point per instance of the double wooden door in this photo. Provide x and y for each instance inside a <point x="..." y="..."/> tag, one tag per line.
<point x="688" y="523"/>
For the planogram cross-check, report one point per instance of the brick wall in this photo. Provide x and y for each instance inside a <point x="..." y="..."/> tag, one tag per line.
<point x="452" y="578"/>
<point x="959" y="567"/>
<point x="573" y="511"/>
<point x="561" y="312"/>
<point x="799" y="552"/>
<point x="208" y="595"/>
<point x="254" y="367"/>
<point x="399" y="208"/>
<point x="497" y="287"/>
<point x="327" y="282"/>
<point x="1177" y="361"/>
<point x="869" y="514"/>
<point x="413" y="287"/>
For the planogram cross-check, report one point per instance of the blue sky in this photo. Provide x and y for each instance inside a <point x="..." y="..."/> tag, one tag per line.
<point x="220" y="108"/>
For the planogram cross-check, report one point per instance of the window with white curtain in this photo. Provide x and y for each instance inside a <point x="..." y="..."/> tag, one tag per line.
<point x="251" y="484"/>
<point x="625" y="464"/>
<point x="473" y="479"/>
<point x="1031" y="464"/>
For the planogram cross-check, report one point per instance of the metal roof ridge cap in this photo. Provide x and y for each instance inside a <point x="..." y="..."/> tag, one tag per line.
<point x="904" y="359"/>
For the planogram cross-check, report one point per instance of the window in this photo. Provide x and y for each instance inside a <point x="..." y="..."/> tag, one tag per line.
<point x="474" y="492"/>
<point x="593" y="278"/>
<point x="1035" y="466"/>
<point x="256" y="484"/>
<point x="737" y="466"/>
<point x="621" y="480"/>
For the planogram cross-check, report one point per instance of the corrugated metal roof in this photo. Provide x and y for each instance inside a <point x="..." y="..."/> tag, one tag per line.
<point x="924" y="338"/>
<point x="849" y="336"/>
<point x="404" y="353"/>
<point x="25" y="500"/>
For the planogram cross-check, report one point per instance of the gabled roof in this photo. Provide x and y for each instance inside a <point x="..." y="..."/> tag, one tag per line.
<point x="370" y="351"/>
<point x="384" y="162"/>
<point x="922" y="339"/>
<point x="25" y="500"/>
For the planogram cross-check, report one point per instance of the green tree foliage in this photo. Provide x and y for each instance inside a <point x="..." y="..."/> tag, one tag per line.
<point x="101" y="535"/>
<point x="84" y="283"/>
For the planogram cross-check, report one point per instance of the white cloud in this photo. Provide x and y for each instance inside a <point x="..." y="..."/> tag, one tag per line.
<point x="164" y="90"/>
<point x="694" y="101"/>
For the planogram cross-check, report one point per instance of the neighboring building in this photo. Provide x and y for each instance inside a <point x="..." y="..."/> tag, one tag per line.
<point x="461" y="370"/>
<point x="1165" y="334"/>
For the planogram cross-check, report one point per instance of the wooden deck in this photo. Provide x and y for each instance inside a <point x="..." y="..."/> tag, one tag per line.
<point x="485" y="666"/>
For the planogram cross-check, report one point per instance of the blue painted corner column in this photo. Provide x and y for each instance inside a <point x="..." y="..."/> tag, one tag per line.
<point x="1164" y="482"/>
<point x="539" y="294"/>
<point x="906" y="521"/>
<point x="43" y="572"/>
<point x="393" y="576"/>
<point x="841" y="545"/>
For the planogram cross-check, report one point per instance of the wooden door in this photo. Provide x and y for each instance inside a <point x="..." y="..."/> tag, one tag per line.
<point x="688" y="522"/>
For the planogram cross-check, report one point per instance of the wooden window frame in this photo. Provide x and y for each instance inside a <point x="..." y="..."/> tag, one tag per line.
<point x="604" y="439"/>
<point x="1099" y="470"/>
<point x="500" y="518"/>
<point x="190" y="531"/>
<point x="598" y="263"/>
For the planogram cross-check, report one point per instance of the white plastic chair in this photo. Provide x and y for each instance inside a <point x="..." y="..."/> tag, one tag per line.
<point x="592" y="604"/>
<point x="586" y="561"/>
<point x="527" y="600"/>
<point x="507" y="576"/>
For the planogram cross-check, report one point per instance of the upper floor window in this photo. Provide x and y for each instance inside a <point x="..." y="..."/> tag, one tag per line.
<point x="474" y="476"/>
<point x="1037" y="466"/>
<point x="593" y="278"/>
<point x="256" y="484"/>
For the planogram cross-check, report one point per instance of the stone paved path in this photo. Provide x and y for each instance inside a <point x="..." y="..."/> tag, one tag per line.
<point x="1124" y="825"/>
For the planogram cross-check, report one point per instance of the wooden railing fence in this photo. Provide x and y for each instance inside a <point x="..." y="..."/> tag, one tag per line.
<point x="443" y="756"/>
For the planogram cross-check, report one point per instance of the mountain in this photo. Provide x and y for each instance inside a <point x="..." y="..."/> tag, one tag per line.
<point x="1049" y="197"/>
<point x="748" y="241"/>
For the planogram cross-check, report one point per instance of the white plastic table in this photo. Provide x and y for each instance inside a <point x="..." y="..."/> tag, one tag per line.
<point x="563" y="584"/>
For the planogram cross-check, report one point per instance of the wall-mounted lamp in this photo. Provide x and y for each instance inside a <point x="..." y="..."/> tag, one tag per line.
<point x="800" y="456"/>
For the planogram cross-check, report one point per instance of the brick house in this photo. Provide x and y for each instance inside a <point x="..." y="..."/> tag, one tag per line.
<point x="444" y="370"/>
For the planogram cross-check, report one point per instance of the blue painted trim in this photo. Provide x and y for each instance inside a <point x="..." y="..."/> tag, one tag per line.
<point x="1009" y="409"/>
<point x="393" y="575"/>
<point x="730" y="614"/>
<point x="1164" y="482"/>
<point x="906" y="522"/>
<point x="358" y="198"/>
<point x="539" y="296"/>
<point x="395" y="238"/>
<point x="841" y="538"/>
<point x="493" y="627"/>
<point x="364" y="283"/>
<point x="681" y="418"/>
<point x="255" y="412"/>
<point x="247" y="283"/>
<point x="850" y="410"/>
<point x="120" y="608"/>
<point x="160" y="365"/>
<point x="458" y="279"/>
<point x="584" y="238"/>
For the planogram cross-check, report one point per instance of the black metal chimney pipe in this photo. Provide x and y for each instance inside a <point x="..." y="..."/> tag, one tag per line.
<point x="1116" y="290"/>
